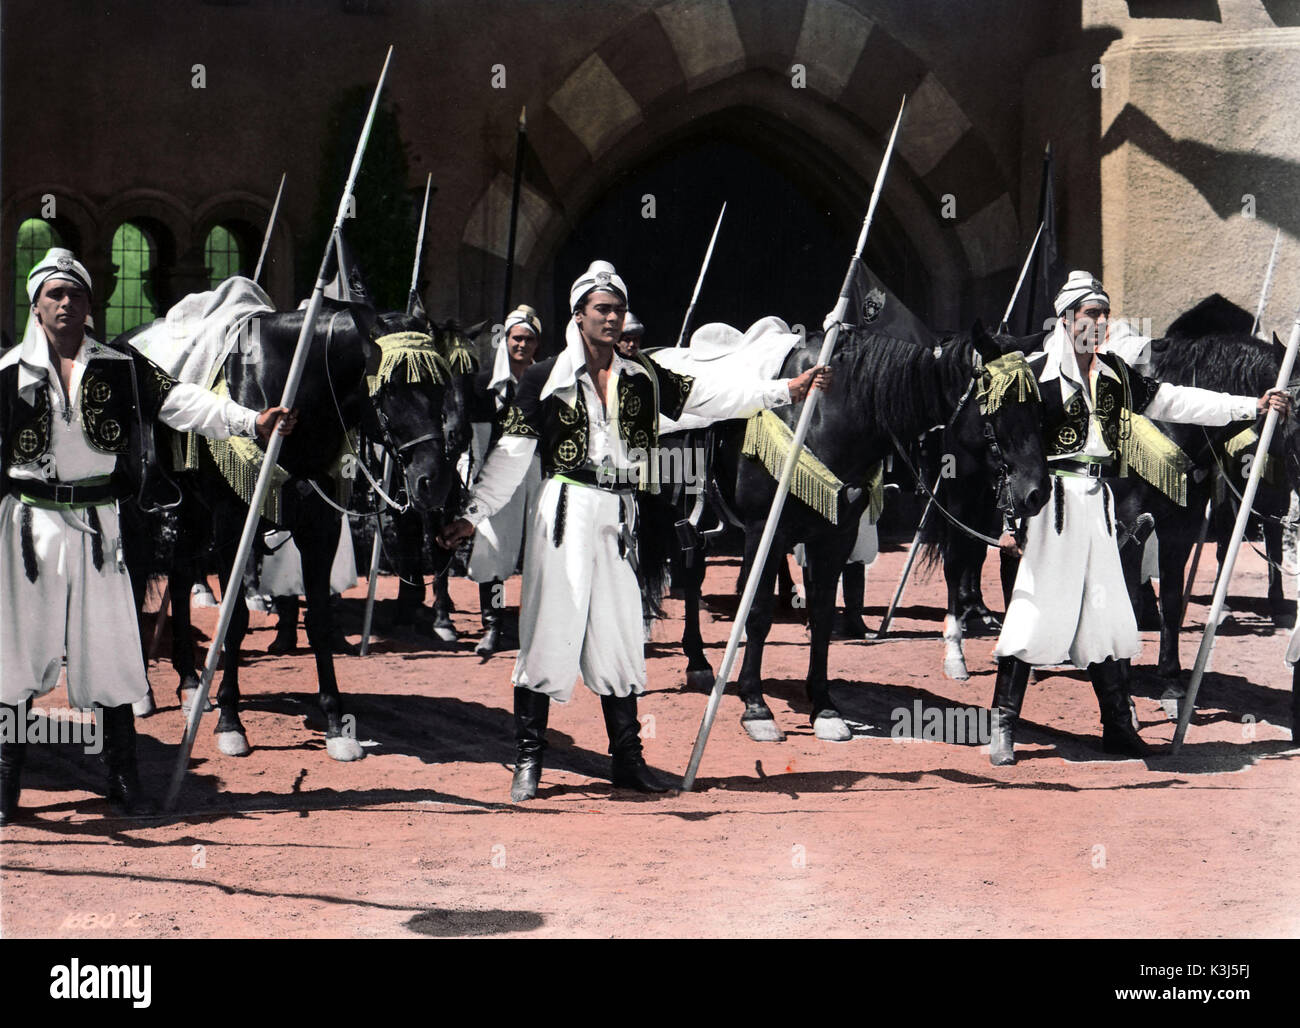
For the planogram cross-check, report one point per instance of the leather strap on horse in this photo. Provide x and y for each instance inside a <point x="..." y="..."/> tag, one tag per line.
<point x="952" y="518"/>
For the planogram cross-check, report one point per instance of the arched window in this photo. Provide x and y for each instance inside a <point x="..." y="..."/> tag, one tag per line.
<point x="224" y="255"/>
<point x="35" y="236"/>
<point x="134" y="254"/>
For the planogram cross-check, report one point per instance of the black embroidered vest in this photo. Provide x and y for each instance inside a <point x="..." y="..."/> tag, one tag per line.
<point x="1065" y="424"/>
<point x="561" y="430"/>
<point x="121" y="394"/>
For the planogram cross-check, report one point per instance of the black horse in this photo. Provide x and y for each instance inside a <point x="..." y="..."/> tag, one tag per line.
<point x="411" y="405"/>
<point x="884" y="392"/>
<point x="1233" y="363"/>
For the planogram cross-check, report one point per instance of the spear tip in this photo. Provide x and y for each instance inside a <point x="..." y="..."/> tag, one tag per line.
<point x="523" y="118"/>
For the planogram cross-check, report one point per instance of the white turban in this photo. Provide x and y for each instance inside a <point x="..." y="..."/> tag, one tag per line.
<point x="1081" y="287"/>
<point x="632" y="325"/>
<point x="57" y="263"/>
<point x="601" y="275"/>
<point x="526" y="316"/>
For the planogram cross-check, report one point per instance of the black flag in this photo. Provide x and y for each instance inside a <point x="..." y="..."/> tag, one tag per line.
<point x="1046" y="272"/>
<point x="346" y="285"/>
<point x="875" y="311"/>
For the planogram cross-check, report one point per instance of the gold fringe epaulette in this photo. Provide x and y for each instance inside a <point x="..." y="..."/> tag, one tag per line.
<point x="240" y="462"/>
<point x="768" y="439"/>
<point x="1000" y="375"/>
<point x="1270" y="473"/>
<point x="458" y="352"/>
<point x="1155" y="457"/>
<point x="413" y="354"/>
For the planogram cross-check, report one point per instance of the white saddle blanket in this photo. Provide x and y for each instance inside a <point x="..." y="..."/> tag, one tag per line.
<point x="193" y="341"/>
<point x="718" y="350"/>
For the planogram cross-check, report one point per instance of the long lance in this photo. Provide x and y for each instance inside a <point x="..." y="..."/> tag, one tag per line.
<point x="1024" y="270"/>
<point x="1268" y="284"/>
<point x="787" y="473"/>
<point x="929" y="503"/>
<point x="270" y="226"/>
<point x="231" y="592"/>
<point x="1209" y="510"/>
<point x="695" y="296"/>
<point x="888" y="619"/>
<point x="414" y="291"/>
<point x="368" y="617"/>
<point x="1238" y="532"/>
<point x="164" y="607"/>
<point x="521" y="136"/>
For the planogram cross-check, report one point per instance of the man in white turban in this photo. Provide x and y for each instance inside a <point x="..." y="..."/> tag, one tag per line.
<point x="592" y="415"/>
<point x="499" y="541"/>
<point x="1069" y="603"/>
<point x="76" y="434"/>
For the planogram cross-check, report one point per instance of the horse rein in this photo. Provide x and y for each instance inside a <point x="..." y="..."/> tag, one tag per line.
<point x="989" y="434"/>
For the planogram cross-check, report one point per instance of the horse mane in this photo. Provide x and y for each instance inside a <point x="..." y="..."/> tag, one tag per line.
<point x="1226" y="362"/>
<point x="892" y="381"/>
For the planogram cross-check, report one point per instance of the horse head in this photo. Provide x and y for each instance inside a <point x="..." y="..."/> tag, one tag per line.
<point x="418" y="411"/>
<point x="1001" y="424"/>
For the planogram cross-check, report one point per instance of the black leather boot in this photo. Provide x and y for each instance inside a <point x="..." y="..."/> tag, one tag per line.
<point x="286" y="628"/>
<point x="488" y="592"/>
<point x="854" y="580"/>
<point x="531" y="712"/>
<point x="1118" y="733"/>
<point x="629" y="770"/>
<point x="124" y="792"/>
<point x="1008" y="695"/>
<point x="13" y="754"/>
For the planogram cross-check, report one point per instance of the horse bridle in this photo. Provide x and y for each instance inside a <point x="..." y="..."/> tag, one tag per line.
<point x="1003" y="490"/>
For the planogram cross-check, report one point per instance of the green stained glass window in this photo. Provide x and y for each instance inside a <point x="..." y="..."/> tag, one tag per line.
<point x="223" y="255"/>
<point x="35" y="236"/>
<point x="130" y="304"/>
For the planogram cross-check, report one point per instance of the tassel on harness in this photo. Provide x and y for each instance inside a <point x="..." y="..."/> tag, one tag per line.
<point x="561" y="508"/>
<point x="1105" y="506"/>
<point x="29" y="545"/>
<point x="1058" y="499"/>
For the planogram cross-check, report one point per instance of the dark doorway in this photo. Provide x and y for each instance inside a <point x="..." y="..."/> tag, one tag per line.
<point x="785" y="242"/>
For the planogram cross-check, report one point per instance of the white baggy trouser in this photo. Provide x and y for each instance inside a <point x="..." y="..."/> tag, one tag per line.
<point x="1070" y="603"/>
<point x="71" y="609"/>
<point x="580" y="607"/>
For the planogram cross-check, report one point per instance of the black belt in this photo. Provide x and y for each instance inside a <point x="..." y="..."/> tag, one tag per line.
<point x="588" y="477"/>
<point x="63" y="494"/>
<point x="1082" y="468"/>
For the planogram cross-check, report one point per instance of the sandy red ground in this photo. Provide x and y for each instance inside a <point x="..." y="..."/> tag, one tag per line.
<point x="872" y="837"/>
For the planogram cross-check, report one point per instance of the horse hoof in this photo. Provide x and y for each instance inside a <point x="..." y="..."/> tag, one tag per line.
<point x="700" y="680"/>
<point x="233" y="744"/>
<point x="832" y="729"/>
<point x="187" y="701"/>
<point x="765" y="730"/>
<point x="955" y="668"/>
<point x="341" y="747"/>
<point x="144" y="706"/>
<point x="201" y="595"/>
<point x="1169" y="701"/>
<point x="445" y="632"/>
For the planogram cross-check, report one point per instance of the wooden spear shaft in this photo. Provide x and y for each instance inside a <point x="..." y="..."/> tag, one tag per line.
<point x="787" y="474"/>
<point x="374" y="567"/>
<point x="1238" y="533"/>
<point x="235" y="582"/>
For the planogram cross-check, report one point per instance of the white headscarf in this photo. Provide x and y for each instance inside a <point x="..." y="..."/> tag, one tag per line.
<point x="57" y="263"/>
<point x="1080" y="287"/>
<point x="563" y="377"/>
<point x="501" y="373"/>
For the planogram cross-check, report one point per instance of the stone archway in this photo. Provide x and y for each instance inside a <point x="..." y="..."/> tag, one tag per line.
<point x="688" y="60"/>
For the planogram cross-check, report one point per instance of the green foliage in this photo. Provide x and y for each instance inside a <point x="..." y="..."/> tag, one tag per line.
<point x="132" y="301"/>
<point x="382" y="234"/>
<point x="35" y="237"/>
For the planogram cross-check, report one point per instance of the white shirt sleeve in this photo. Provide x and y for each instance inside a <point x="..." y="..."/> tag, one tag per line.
<point x="716" y="398"/>
<point x="1188" y="405"/>
<point x="504" y="469"/>
<point x="191" y="408"/>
